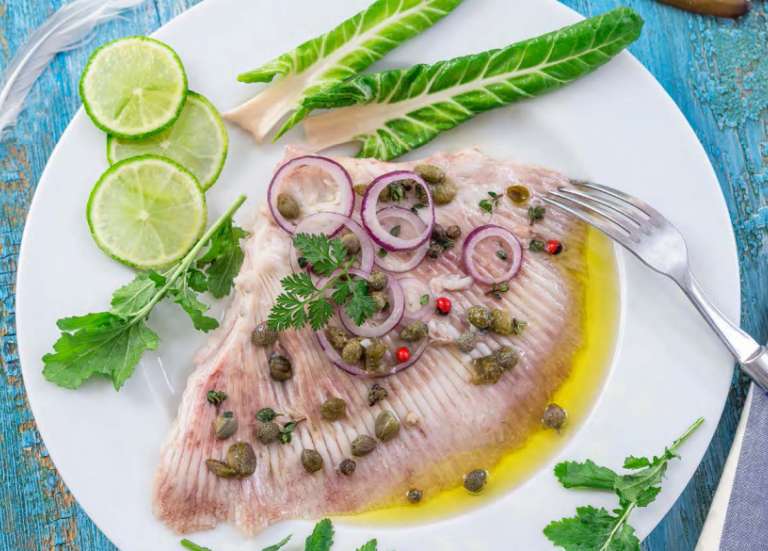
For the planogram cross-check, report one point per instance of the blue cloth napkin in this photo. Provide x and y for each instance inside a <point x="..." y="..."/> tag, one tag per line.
<point x="746" y="521"/>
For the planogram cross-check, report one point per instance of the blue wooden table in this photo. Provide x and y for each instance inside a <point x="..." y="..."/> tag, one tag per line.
<point x="715" y="70"/>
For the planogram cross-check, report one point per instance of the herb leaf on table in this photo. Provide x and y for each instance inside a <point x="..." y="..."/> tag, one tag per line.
<point x="321" y="538"/>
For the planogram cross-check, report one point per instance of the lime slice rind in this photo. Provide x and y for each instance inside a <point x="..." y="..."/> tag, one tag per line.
<point x="133" y="87"/>
<point x="197" y="140"/>
<point x="146" y="212"/>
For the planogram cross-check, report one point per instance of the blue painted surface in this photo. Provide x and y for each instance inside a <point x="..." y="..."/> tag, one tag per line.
<point x="715" y="70"/>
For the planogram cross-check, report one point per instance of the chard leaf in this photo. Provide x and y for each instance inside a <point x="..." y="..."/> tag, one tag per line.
<point x="393" y="112"/>
<point x="331" y="58"/>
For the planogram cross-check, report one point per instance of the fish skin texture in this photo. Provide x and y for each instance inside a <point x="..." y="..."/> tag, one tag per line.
<point x="459" y="426"/>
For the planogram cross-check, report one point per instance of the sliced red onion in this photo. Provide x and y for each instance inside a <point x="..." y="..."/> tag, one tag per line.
<point x="413" y="307"/>
<point x="486" y="232"/>
<point x="396" y="311"/>
<point x="370" y="216"/>
<point x="334" y="222"/>
<point x="392" y="262"/>
<point x="334" y="169"/>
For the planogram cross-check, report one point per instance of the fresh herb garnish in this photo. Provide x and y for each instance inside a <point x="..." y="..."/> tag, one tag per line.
<point x="216" y="397"/>
<point x="502" y="254"/>
<point x="416" y="206"/>
<point x="536" y="214"/>
<point x="395" y="231"/>
<point x="265" y="415"/>
<point x="498" y="288"/>
<point x="382" y="253"/>
<point x="424" y="300"/>
<point x="537" y="246"/>
<point x="279" y="545"/>
<point x="286" y="431"/>
<point x="111" y="343"/>
<point x="192" y="546"/>
<point x="395" y="192"/>
<point x="594" y="528"/>
<point x="488" y="205"/>
<point x="321" y="539"/>
<point x="301" y="301"/>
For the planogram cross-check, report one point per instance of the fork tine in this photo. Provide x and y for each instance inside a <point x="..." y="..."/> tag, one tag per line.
<point x="610" y="205"/>
<point x="591" y="206"/>
<point x="587" y="216"/>
<point x="641" y="206"/>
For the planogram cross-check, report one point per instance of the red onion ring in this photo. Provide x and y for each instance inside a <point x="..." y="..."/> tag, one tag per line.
<point x="485" y="232"/>
<point x="334" y="169"/>
<point x="370" y="216"/>
<point x="423" y="310"/>
<point x="338" y="222"/>
<point x="391" y="263"/>
<point x="396" y="311"/>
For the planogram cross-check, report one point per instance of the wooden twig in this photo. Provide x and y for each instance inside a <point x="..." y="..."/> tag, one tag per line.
<point x="719" y="8"/>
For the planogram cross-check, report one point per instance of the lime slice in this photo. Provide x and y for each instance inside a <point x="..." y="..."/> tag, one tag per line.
<point x="197" y="141"/>
<point x="133" y="87"/>
<point x="146" y="211"/>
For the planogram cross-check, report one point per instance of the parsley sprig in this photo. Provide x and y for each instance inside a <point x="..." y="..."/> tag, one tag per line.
<point x="487" y="205"/>
<point x="302" y="302"/>
<point x="594" y="528"/>
<point x="111" y="343"/>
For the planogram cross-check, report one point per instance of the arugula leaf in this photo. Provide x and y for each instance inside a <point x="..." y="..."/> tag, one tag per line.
<point x="585" y="475"/>
<point x="131" y="298"/>
<point x="192" y="546"/>
<point x="393" y="112"/>
<point x="332" y="58"/>
<point x="372" y="545"/>
<point x="594" y="530"/>
<point x="186" y="297"/>
<point x="223" y="259"/>
<point x="278" y="545"/>
<point x="321" y="538"/>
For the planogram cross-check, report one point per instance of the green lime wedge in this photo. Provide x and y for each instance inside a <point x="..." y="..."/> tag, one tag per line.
<point x="197" y="141"/>
<point x="146" y="211"/>
<point x="133" y="87"/>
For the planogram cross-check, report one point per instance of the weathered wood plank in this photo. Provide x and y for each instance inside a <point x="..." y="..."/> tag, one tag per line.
<point x="715" y="70"/>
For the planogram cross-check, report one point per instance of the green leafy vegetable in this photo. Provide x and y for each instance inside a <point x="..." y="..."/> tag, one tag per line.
<point x="372" y="545"/>
<point x="536" y="214"/>
<point x="321" y="538"/>
<point x="598" y="529"/>
<point x="301" y="301"/>
<point x="331" y="58"/>
<point x="265" y="415"/>
<point x="393" y="112"/>
<point x="223" y="259"/>
<point x="110" y="344"/>
<point x="192" y="546"/>
<point x="279" y="545"/>
<point x="488" y="205"/>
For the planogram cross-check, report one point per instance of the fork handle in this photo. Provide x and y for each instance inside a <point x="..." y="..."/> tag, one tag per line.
<point x="752" y="357"/>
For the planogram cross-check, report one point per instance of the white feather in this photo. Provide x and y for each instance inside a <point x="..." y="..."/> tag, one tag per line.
<point x="64" y="30"/>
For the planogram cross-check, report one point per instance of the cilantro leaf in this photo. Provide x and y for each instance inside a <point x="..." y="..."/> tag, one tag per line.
<point x="320" y="312"/>
<point x="223" y="259"/>
<point x="360" y="305"/>
<point x="288" y="311"/>
<point x="321" y="538"/>
<point x="572" y="474"/>
<point x="372" y="545"/>
<point x="278" y="545"/>
<point x="325" y="255"/>
<point x="592" y="529"/>
<point x="299" y="284"/>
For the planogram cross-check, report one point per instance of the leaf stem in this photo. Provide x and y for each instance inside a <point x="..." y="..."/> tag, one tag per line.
<point x="677" y="443"/>
<point x="621" y="522"/>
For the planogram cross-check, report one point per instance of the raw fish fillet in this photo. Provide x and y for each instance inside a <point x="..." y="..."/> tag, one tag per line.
<point x="458" y="427"/>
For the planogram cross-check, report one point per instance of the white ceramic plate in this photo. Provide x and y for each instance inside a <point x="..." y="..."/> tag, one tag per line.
<point x="617" y="127"/>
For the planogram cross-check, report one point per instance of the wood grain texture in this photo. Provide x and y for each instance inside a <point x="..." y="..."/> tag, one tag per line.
<point x="715" y="70"/>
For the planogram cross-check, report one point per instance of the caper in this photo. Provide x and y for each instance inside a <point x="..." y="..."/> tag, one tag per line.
<point x="414" y="495"/>
<point x="352" y="352"/>
<point x="381" y="300"/>
<point x="287" y="206"/>
<point x="225" y="425"/>
<point x="377" y="281"/>
<point x="486" y="370"/>
<point x="453" y="232"/>
<point x="347" y="467"/>
<point x="311" y="460"/>
<point x="363" y="445"/>
<point x="506" y="357"/>
<point x="474" y="481"/>
<point x="280" y="367"/>
<point x="360" y="189"/>
<point x="268" y="432"/>
<point x="263" y="335"/>
<point x="554" y="417"/>
<point x="444" y="193"/>
<point x="333" y="409"/>
<point x="387" y="426"/>
<point x="430" y="173"/>
<point x="501" y="322"/>
<point x="518" y="194"/>
<point x="479" y="316"/>
<point x="414" y="331"/>
<point x="337" y="337"/>
<point x="467" y="341"/>
<point x="351" y="244"/>
<point x="435" y="250"/>
<point x="439" y="233"/>
<point x="220" y="469"/>
<point x="374" y="353"/>
<point x="376" y="394"/>
<point x="240" y="457"/>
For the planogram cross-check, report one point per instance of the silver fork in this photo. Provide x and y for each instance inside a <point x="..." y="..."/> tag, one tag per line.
<point x="644" y="232"/>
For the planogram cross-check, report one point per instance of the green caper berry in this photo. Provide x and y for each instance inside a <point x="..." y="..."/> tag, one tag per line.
<point x="474" y="481"/>
<point x="453" y="232"/>
<point x="387" y="426"/>
<point x="381" y="300"/>
<point x="376" y="394"/>
<point x="501" y="322"/>
<point x="269" y="432"/>
<point x="347" y="467"/>
<point x="337" y="337"/>
<point x="430" y="173"/>
<point x="414" y="331"/>
<point x="240" y="456"/>
<point x="225" y="425"/>
<point x="363" y="445"/>
<point x="311" y="460"/>
<point x="333" y="409"/>
<point x="220" y="469"/>
<point x="467" y="341"/>
<point x="377" y="281"/>
<point x="288" y="206"/>
<point x="518" y="194"/>
<point x="486" y="370"/>
<point x="374" y="353"/>
<point x="263" y="335"/>
<point x="352" y="352"/>
<point x="414" y="495"/>
<point x="506" y="357"/>
<point x="280" y="367"/>
<point x="444" y="193"/>
<point x="479" y="316"/>
<point x="351" y="244"/>
<point x="554" y="417"/>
